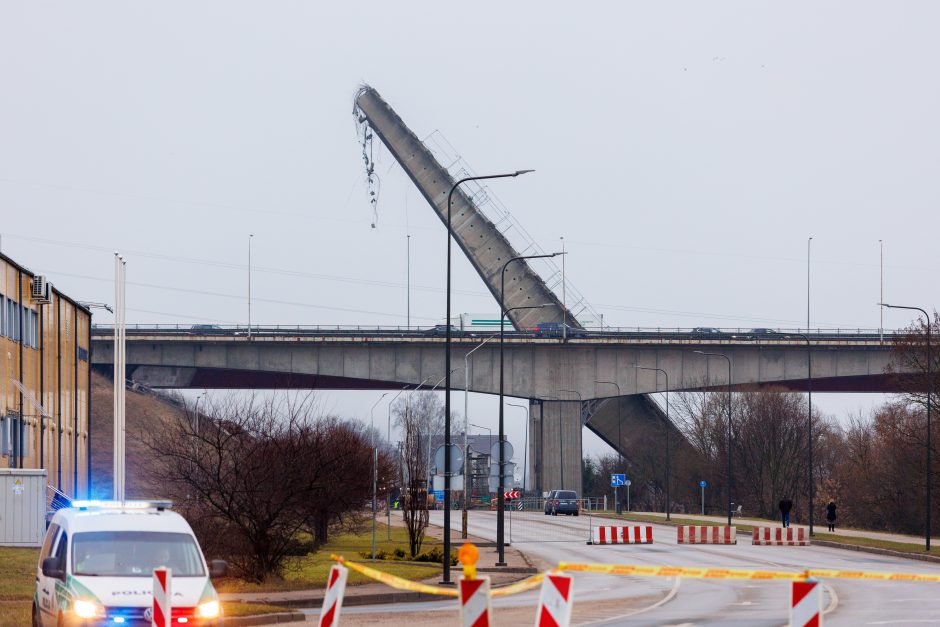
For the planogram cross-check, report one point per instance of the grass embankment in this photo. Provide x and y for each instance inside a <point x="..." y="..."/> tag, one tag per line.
<point x="309" y="572"/>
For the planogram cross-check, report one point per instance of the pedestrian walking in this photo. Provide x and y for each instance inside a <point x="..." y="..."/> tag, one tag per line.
<point x="785" y="506"/>
<point x="831" y="515"/>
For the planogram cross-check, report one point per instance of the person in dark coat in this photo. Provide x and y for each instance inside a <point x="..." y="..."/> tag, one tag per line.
<point x="785" y="506"/>
<point x="831" y="515"/>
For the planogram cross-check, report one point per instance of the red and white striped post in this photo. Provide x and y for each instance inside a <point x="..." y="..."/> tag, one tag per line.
<point x="475" y="607"/>
<point x="806" y="604"/>
<point x="555" y="601"/>
<point x="333" y="599"/>
<point x="162" y="597"/>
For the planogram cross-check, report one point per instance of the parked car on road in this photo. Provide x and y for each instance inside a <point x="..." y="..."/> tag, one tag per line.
<point x="564" y="502"/>
<point x="548" y="501"/>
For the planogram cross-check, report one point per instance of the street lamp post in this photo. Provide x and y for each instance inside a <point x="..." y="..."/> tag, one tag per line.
<point x="809" y="426"/>
<point x="466" y="423"/>
<point x="375" y="466"/>
<point x="666" y="374"/>
<point x="447" y="343"/>
<point x="525" y="448"/>
<point x="619" y="437"/>
<point x="500" y="501"/>
<point x="728" y="359"/>
<point x="250" y="237"/>
<point x="929" y="394"/>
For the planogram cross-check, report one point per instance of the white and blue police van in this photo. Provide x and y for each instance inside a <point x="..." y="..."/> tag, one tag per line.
<point x="97" y="561"/>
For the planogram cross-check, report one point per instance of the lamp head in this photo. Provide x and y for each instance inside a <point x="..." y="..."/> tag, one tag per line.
<point x="518" y="172"/>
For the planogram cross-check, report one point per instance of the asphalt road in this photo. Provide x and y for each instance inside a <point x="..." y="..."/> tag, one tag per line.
<point x="616" y="600"/>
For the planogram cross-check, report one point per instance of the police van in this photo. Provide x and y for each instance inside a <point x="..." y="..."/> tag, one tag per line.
<point x="97" y="561"/>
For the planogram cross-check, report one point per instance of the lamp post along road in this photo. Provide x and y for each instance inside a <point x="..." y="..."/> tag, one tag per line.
<point x="466" y="423"/>
<point x="500" y="500"/>
<point x="375" y="466"/>
<point x="728" y="359"/>
<point x="929" y="394"/>
<point x="447" y="348"/>
<point x="668" y="424"/>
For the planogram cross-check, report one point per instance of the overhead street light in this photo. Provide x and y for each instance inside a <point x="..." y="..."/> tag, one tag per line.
<point x="447" y="342"/>
<point x="503" y="312"/>
<point x="375" y="466"/>
<point x="668" y="424"/>
<point x="929" y="394"/>
<point x="728" y="359"/>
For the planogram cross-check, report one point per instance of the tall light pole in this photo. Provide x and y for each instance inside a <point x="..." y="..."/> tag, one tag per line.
<point x="250" y="237"/>
<point x="619" y="435"/>
<point x="668" y="424"/>
<point x="375" y="467"/>
<point x="466" y="422"/>
<point x="929" y="394"/>
<point x="881" y="298"/>
<point x="728" y="359"/>
<point x="809" y="427"/>
<point x="808" y="251"/>
<point x="450" y="196"/>
<point x="525" y="448"/>
<point x="408" y="280"/>
<point x="503" y="312"/>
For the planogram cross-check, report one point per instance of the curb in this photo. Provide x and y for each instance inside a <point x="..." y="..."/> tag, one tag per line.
<point x="266" y="619"/>
<point x="877" y="551"/>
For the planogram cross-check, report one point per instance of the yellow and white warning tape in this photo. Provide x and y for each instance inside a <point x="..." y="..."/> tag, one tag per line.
<point x="644" y="571"/>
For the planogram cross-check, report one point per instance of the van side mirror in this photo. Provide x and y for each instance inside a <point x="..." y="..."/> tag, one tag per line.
<point x="50" y="568"/>
<point x="218" y="568"/>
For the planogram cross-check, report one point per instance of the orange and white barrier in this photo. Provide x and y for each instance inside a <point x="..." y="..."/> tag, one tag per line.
<point x="475" y="608"/>
<point x="555" y="601"/>
<point x="162" y="596"/>
<point x="696" y="534"/>
<point x="639" y="534"/>
<point x="805" y="604"/>
<point x="333" y="599"/>
<point x="778" y="536"/>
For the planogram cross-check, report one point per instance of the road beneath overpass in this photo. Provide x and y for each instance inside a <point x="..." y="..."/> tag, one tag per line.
<point x="612" y="600"/>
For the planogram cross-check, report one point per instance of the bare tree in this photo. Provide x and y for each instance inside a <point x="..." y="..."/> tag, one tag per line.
<point x="416" y="418"/>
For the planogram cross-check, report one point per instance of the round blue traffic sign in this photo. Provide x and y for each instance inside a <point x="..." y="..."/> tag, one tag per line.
<point x="702" y="483"/>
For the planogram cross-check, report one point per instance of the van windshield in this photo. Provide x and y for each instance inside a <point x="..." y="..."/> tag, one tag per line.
<point x="134" y="554"/>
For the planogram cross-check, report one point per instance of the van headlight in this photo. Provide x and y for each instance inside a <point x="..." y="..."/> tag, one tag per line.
<point x="210" y="609"/>
<point x="87" y="609"/>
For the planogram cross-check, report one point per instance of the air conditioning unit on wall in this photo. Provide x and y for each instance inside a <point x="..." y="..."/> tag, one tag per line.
<point x="40" y="290"/>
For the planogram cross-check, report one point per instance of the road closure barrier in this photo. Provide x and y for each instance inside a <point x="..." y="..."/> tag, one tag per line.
<point x="162" y="597"/>
<point x="556" y="601"/>
<point x="778" y="536"/>
<point x="805" y="604"/>
<point x="475" y="607"/>
<point x="639" y="534"/>
<point x="697" y="534"/>
<point x="333" y="599"/>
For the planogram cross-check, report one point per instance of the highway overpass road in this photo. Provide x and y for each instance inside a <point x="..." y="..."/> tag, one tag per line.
<point x="615" y="600"/>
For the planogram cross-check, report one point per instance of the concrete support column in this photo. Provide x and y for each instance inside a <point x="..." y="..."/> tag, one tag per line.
<point x="556" y="445"/>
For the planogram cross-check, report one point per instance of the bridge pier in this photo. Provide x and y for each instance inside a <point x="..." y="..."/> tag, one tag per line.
<point x="555" y="445"/>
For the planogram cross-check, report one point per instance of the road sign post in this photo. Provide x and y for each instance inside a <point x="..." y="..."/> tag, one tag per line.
<point x="627" y="483"/>
<point x="617" y="480"/>
<point x="702" y="485"/>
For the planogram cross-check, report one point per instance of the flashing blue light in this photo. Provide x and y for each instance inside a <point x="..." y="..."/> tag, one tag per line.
<point x="118" y="619"/>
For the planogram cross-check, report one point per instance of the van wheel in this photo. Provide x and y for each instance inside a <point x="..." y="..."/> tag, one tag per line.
<point x="36" y="620"/>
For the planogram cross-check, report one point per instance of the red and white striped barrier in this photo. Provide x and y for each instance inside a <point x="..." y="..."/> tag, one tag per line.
<point x="555" y="601"/>
<point x="162" y="595"/>
<point x="695" y="534"/>
<point x="806" y="604"/>
<point x="333" y="599"/>
<point x="475" y="608"/>
<point x="778" y="536"/>
<point x="639" y="534"/>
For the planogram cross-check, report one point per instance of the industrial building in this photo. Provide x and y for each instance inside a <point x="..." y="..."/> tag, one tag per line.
<point x="45" y="338"/>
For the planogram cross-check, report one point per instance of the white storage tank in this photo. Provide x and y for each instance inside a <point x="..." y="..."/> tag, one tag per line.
<point x="22" y="506"/>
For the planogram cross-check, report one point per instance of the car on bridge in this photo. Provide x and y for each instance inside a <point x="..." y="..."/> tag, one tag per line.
<point x="440" y="330"/>
<point x="701" y="333"/>
<point x="558" y="329"/>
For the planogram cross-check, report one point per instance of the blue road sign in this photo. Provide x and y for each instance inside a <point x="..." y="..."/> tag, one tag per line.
<point x="617" y="480"/>
<point x="702" y="483"/>
<point x="438" y="495"/>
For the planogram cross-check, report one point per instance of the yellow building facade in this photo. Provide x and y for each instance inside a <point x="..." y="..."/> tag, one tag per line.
<point x="45" y="384"/>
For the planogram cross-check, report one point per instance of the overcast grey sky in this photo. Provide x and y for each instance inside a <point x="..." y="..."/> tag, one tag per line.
<point x="685" y="151"/>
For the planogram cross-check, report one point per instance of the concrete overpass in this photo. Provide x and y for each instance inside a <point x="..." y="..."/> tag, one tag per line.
<point x="537" y="369"/>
